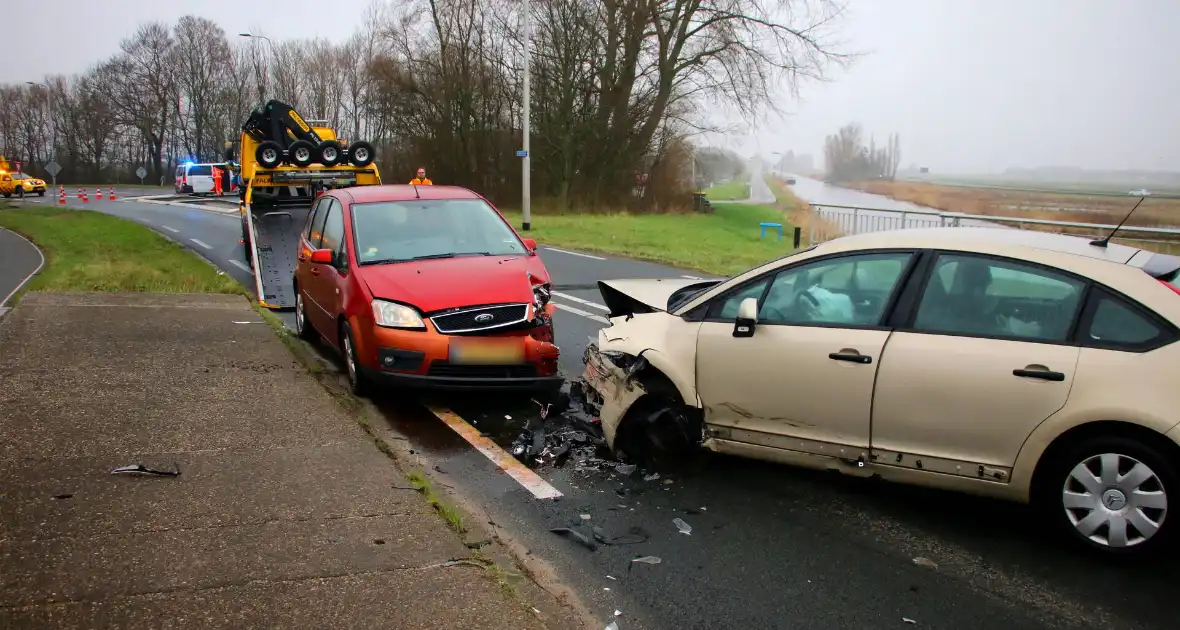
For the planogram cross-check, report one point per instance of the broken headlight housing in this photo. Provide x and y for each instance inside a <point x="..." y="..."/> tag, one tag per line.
<point x="541" y="295"/>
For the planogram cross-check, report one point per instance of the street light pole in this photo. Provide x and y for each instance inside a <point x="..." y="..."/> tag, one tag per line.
<point x="525" y="184"/>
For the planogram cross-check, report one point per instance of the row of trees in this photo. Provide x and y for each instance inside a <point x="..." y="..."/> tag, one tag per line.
<point x="847" y="159"/>
<point x="618" y="88"/>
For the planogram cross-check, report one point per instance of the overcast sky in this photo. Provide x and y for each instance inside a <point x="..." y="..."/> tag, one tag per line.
<point x="971" y="85"/>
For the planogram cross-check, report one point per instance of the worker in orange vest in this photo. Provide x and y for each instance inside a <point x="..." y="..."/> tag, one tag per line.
<point x="421" y="179"/>
<point x="216" y="180"/>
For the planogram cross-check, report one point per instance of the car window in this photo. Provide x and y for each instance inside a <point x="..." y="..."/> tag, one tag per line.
<point x="972" y="295"/>
<point x="397" y="231"/>
<point x="1117" y="323"/>
<point x="851" y="290"/>
<point x="729" y="305"/>
<point x="333" y="228"/>
<point x="200" y="169"/>
<point x="311" y="217"/>
<point x="317" y="224"/>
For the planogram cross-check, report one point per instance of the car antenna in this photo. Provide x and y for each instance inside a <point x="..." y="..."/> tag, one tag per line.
<point x="416" y="195"/>
<point x="1103" y="242"/>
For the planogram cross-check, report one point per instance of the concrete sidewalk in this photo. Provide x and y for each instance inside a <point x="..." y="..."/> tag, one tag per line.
<point x="285" y="514"/>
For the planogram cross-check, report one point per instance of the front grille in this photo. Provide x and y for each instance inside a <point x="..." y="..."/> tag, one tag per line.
<point x="443" y="368"/>
<point x="483" y="318"/>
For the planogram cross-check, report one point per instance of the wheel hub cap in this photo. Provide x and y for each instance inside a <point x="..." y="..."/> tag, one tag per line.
<point x="330" y="154"/>
<point x="1115" y="500"/>
<point x="302" y="154"/>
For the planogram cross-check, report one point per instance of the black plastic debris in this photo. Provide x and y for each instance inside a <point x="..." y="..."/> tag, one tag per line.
<point x="577" y="537"/>
<point x="141" y="470"/>
<point x="564" y="432"/>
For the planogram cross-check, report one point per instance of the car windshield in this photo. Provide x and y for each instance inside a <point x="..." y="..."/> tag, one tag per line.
<point x="20" y="176"/>
<point x="398" y="231"/>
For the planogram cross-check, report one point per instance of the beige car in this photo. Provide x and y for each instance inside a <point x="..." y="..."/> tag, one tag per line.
<point x="1022" y="365"/>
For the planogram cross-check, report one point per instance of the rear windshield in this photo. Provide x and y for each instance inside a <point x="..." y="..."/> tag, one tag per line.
<point x="200" y="169"/>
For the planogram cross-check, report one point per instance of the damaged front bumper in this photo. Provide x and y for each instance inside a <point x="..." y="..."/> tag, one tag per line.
<point x="610" y="388"/>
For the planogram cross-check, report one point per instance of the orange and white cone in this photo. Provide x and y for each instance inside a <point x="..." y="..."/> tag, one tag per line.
<point x="98" y="193"/>
<point x="111" y="195"/>
<point x="61" y="196"/>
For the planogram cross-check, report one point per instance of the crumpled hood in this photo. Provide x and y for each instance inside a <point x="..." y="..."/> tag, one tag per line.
<point x="434" y="285"/>
<point x="625" y="297"/>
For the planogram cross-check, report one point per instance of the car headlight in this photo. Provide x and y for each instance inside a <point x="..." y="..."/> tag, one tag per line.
<point x="393" y="315"/>
<point x="541" y="294"/>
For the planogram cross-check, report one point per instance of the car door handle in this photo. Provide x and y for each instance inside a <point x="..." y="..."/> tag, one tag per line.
<point x="851" y="357"/>
<point x="1044" y="375"/>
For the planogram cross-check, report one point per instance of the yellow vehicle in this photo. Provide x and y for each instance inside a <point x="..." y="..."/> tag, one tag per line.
<point x="286" y="163"/>
<point x="13" y="182"/>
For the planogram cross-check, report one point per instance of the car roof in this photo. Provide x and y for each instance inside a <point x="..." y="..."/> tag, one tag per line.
<point x="405" y="192"/>
<point x="978" y="238"/>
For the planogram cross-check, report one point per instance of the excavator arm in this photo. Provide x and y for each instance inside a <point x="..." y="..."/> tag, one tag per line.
<point x="280" y="123"/>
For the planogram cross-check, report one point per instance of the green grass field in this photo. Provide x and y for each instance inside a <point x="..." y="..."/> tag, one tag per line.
<point x="724" y="243"/>
<point x="90" y="251"/>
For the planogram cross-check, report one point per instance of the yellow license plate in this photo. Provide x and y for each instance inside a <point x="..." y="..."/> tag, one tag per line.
<point x="487" y="351"/>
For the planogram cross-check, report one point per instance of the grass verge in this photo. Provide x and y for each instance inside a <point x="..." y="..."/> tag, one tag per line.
<point x="450" y="513"/>
<point x="91" y="251"/>
<point x="736" y="190"/>
<point x="724" y="242"/>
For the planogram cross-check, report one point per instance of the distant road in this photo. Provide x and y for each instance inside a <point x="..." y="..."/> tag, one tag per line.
<point x="1045" y="191"/>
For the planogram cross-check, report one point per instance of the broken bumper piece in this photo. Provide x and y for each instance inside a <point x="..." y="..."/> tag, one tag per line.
<point x="609" y="387"/>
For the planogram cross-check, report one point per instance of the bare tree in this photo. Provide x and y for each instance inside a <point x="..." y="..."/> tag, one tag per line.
<point x="143" y="87"/>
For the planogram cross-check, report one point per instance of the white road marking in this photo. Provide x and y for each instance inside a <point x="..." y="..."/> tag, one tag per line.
<point x="567" y="296"/>
<point x="171" y="229"/>
<point x="692" y="277"/>
<point x="523" y="475"/>
<point x="578" y="311"/>
<point x="562" y="251"/>
<point x="241" y="265"/>
<point x="30" y="276"/>
<point x="201" y="243"/>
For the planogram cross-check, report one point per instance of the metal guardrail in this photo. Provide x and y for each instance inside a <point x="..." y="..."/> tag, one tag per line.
<point x="832" y="221"/>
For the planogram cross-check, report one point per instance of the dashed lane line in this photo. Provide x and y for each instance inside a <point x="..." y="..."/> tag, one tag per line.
<point x="579" y="300"/>
<point x="563" y="251"/>
<point x="201" y="243"/>
<point x="171" y="229"/>
<point x="241" y="265"/>
<point x="523" y="475"/>
<point x="577" y="311"/>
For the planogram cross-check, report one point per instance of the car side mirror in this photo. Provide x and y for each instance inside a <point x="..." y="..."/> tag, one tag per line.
<point x="323" y="256"/>
<point x="747" y="318"/>
<point x="530" y="244"/>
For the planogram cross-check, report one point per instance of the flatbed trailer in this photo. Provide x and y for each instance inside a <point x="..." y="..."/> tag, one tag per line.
<point x="281" y="179"/>
<point x="274" y="211"/>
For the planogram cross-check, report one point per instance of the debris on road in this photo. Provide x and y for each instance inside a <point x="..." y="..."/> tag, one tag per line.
<point x="625" y="469"/>
<point x="926" y="562"/>
<point x="614" y="625"/>
<point x="563" y="432"/>
<point x="684" y="528"/>
<point x="909" y="621"/>
<point x="140" y="469"/>
<point x="576" y="537"/>
<point x="647" y="560"/>
<point x="652" y="477"/>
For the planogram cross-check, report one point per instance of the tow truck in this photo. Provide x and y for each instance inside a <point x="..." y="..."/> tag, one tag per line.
<point x="286" y="163"/>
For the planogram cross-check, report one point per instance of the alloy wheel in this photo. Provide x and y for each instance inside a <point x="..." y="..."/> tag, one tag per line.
<point x="270" y="155"/>
<point x="350" y="360"/>
<point x="299" y="313"/>
<point x="1115" y="500"/>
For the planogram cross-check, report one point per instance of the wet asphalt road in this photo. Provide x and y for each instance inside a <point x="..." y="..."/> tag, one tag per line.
<point x="771" y="547"/>
<point x="19" y="259"/>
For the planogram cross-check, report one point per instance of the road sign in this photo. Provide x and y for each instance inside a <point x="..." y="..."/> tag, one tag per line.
<point x="141" y="173"/>
<point x="53" y="168"/>
<point x="522" y="154"/>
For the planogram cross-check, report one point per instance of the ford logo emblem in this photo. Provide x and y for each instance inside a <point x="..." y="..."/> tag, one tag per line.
<point x="484" y="318"/>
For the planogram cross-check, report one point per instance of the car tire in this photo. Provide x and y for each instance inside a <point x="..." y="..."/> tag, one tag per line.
<point x="303" y="327"/>
<point x="301" y="153"/>
<point x="361" y="153"/>
<point x="1113" y="499"/>
<point x="269" y="154"/>
<point x="655" y="433"/>
<point x="40" y="193"/>
<point x="357" y="382"/>
<point x="329" y="153"/>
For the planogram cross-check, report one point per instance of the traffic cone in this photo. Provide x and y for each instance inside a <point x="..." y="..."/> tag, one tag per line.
<point x="61" y="196"/>
<point x="98" y="193"/>
<point x="111" y="195"/>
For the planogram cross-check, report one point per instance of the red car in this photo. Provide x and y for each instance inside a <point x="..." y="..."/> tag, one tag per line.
<point x="425" y="286"/>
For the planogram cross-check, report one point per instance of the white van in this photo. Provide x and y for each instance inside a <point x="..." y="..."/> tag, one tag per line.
<point x="194" y="179"/>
